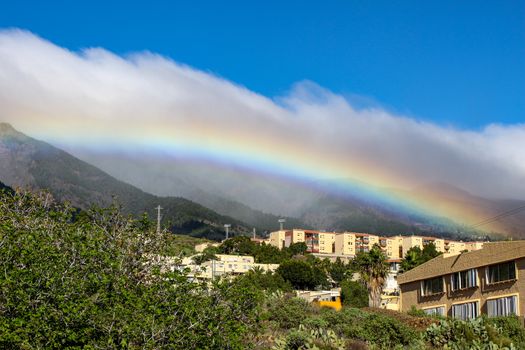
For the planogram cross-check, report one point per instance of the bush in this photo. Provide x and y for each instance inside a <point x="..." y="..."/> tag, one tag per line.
<point x="288" y="312"/>
<point x="97" y="281"/>
<point x="301" y="275"/>
<point x="267" y="281"/>
<point x="475" y="334"/>
<point x="511" y="327"/>
<point x="354" y="294"/>
<point x="383" y="331"/>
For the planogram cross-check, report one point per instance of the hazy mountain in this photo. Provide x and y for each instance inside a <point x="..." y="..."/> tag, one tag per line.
<point x="499" y="209"/>
<point x="4" y="187"/>
<point x="318" y="204"/>
<point x="29" y="163"/>
<point x="251" y="198"/>
<point x="231" y="193"/>
<point x="234" y="192"/>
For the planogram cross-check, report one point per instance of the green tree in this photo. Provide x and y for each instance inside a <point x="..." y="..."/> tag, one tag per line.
<point x="415" y="256"/>
<point x="412" y="259"/>
<point x="301" y="275"/>
<point x="269" y="254"/>
<point x="354" y="294"/>
<point x="298" y="248"/>
<point x="338" y="271"/>
<point x="240" y="245"/>
<point x="267" y="281"/>
<point x="373" y="270"/>
<point x="97" y="281"/>
<point x="207" y="255"/>
<point x="429" y="252"/>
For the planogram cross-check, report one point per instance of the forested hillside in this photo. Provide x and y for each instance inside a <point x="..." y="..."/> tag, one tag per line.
<point x="33" y="164"/>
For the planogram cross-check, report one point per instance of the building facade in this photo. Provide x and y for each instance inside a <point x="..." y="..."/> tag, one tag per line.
<point x="316" y="241"/>
<point x="488" y="281"/>
<point x="223" y="264"/>
<point x="351" y="243"/>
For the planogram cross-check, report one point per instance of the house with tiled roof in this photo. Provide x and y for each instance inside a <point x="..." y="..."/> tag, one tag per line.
<point x="488" y="281"/>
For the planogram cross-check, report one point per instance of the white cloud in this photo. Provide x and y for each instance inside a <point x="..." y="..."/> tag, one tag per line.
<point x="54" y="93"/>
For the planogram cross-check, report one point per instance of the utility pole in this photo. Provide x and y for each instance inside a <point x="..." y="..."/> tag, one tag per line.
<point x="281" y="224"/>
<point x="227" y="227"/>
<point x="254" y="233"/>
<point x="159" y="208"/>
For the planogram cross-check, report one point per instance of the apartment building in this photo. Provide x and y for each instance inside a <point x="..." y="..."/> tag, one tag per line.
<point x="224" y="264"/>
<point x="443" y="246"/>
<point x="470" y="246"/>
<point x="391" y="246"/>
<point x="351" y="243"/>
<point x="316" y="241"/>
<point x="487" y="281"/>
<point x="455" y="247"/>
<point x="277" y="238"/>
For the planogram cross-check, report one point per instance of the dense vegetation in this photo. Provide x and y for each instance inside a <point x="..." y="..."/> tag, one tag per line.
<point x="298" y="269"/>
<point x="38" y="165"/>
<point x="416" y="256"/>
<point x="95" y="280"/>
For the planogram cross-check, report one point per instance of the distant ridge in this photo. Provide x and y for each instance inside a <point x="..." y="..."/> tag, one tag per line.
<point x="29" y="163"/>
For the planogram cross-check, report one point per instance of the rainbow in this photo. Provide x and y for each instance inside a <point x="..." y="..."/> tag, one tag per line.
<point x="266" y="156"/>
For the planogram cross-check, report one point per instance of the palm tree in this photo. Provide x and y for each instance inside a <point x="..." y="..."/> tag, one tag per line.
<point x="373" y="269"/>
<point x="412" y="259"/>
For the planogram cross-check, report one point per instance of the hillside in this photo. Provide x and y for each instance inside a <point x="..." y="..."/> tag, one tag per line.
<point x="36" y="165"/>
<point x="329" y="204"/>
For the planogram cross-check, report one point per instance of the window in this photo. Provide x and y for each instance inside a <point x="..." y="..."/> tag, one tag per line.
<point x="502" y="306"/>
<point x="440" y="310"/>
<point x="465" y="311"/>
<point x="432" y="286"/>
<point x="464" y="279"/>
<point x="501" y="272"/>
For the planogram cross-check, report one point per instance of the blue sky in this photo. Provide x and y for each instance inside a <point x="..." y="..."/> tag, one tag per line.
<point x="459" y="63"/>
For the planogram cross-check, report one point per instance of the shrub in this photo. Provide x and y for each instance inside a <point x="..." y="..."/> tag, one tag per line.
<point x="97" y="281"/>
<point x="384" y="331"/>
<point x="288" y="312"/>
<point x="417" y="312"/>
<point x="475" y="334"/>
<point x="354" y="294"/>
<point x="511" y="327"/>
<point x="381" y="330"/>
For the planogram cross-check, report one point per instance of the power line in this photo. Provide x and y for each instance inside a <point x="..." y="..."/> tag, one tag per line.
<point x="498" y="217"/>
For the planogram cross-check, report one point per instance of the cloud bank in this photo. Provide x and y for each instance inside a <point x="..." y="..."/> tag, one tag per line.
<point x="95" y="98"/>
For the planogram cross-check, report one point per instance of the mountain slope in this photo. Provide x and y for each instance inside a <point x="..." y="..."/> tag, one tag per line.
<point x="484" y="208"/>
<point x="33" y="164"/>
<point x="222" y="190"/>
<point x="327" y="204"/>
<point x="4" y="187"/>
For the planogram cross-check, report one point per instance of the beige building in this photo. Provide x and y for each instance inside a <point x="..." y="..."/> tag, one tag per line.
<point x="316" y="241"/>
<point x="487" y="281"/>
<point x="224" y="264"/>
<point x="344" y="243"/>
<point x="390" y="246"/>
<point x="277" y="238"/>
<point x="350" y="243"/>
<point x="455" y="247"/>
<point x="443" y="246"/>
<point x="470" y="246"/>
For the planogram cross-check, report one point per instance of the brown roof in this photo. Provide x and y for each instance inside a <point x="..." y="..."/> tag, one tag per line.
<point x="491" y="253"/>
